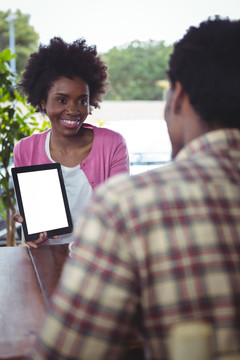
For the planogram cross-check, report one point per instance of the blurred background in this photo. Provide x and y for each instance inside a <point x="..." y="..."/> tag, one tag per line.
<point x="135" y="38"/>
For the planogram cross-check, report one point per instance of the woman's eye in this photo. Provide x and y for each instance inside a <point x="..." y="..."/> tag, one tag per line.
<point x="83" y="102"/>
<point x="61" y="100"/>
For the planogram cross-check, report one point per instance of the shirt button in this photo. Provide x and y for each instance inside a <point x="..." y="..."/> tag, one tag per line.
<point x="91" y="181"/>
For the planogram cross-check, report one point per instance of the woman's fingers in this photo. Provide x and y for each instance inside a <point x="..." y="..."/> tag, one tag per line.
<point x="31" y="244"/>
<point x="17" y="217"/>
<point x="42" y="238"/>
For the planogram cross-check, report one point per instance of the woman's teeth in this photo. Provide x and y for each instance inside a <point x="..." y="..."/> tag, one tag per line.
<point x="70" y="121"/>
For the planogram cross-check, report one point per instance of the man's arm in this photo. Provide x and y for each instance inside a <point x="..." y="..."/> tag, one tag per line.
<point x="93" y="309"/>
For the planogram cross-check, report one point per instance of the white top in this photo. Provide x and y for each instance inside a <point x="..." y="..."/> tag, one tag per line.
<point x="78" y="191"/>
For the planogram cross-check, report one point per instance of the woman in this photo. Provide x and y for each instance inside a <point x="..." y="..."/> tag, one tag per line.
<point x="65" y="82"/>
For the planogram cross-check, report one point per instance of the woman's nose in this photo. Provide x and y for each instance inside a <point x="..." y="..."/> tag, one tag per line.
<point x="72" y="108"/>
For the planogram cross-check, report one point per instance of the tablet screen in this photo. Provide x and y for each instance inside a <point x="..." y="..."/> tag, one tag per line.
<point x="42" y="200"/>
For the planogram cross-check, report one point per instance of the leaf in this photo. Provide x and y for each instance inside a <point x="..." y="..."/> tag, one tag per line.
<point x="17" y="120"/>
<point x="6" y="55"/>
<point x="2" y="212"/>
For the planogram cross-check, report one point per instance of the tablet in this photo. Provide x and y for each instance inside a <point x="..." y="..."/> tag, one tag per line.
<point x="42" y="200"/>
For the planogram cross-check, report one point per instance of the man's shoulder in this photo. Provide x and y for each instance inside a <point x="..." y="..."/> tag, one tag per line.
<point x="124" y="184"/>
<point x="173" y="178"/>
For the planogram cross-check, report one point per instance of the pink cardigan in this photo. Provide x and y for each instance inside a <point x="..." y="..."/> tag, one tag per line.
<point x="108" y="156"/>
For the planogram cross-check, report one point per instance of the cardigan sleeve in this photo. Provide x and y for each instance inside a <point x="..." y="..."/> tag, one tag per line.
<point x="16" y="155"/>
<point x="31" y="150"/>
<point x="120" y="160"/>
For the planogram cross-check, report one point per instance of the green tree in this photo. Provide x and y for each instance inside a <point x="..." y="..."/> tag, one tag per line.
<point x="16" y="121"/>
<point x="26" y="39"/>
<point x="134" y="70"/>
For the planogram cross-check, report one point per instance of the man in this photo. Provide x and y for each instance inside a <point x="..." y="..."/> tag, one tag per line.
<point x="162" y="247"/>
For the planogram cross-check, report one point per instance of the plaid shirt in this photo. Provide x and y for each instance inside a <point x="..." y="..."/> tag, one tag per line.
<point x="152" y="250"/>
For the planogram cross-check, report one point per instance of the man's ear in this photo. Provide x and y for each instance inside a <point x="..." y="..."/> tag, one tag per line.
<point x="178" y="98"/>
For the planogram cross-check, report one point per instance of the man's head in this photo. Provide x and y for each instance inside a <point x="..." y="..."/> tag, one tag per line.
<point x="205" y="64"/>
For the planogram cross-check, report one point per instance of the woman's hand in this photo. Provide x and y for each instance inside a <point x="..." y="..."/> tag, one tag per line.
<point x="18" y="218"/>
<point x="42" y="237"/>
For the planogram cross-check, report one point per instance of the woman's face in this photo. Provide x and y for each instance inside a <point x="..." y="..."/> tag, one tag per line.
<point x="67" y="105"/>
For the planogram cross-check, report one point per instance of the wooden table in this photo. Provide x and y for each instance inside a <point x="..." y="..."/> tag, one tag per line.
<point x="27" y="280"/>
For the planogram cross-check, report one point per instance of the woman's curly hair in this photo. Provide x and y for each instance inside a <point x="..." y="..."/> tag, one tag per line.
<point x="58" y="59"/>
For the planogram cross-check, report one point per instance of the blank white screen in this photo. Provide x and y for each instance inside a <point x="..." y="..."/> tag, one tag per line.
<point x="42" y="200"/>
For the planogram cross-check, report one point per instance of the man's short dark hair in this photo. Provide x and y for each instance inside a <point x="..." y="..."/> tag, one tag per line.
<point x="206" y="61"/>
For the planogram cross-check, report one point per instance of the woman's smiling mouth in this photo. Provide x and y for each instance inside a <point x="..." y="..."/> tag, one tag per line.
<point x="70" y="123"/>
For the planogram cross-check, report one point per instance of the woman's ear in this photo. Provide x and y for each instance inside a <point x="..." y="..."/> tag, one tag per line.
<point x="43" y="106"/>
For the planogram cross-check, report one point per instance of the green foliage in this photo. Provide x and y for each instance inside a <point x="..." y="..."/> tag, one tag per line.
<point x="16" y="121"/>
<point x="26" y="38"/>
<point x="134" y="70"/>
